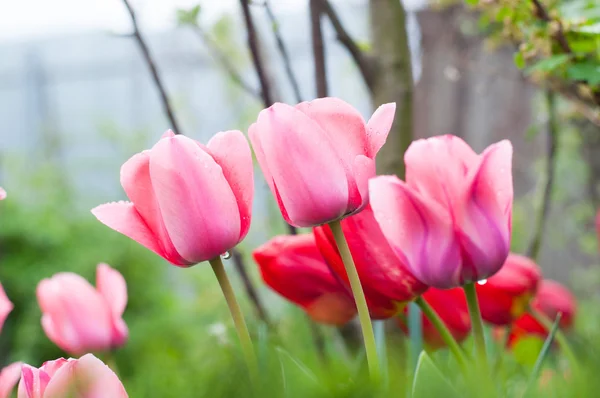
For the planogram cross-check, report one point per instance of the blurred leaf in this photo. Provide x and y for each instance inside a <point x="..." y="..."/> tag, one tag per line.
<point x="588" y="72"/>
<point x="526" y="349"/>
<point x="519" y="60"/>
<point x="296" y="375"/>
<point x="592" y="29"/>
<point x="549" y="64"/>
<point x="430" y="382"/>
<point x="188" y="17"/>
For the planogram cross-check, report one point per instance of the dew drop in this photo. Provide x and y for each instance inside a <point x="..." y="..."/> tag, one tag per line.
<point x="482" y="282"/>
<point x="226" y="256"/>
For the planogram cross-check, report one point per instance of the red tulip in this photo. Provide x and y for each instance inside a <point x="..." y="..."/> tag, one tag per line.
<point x="9" y="377"/>
<point x="86" y="377"/>
<point x="451" y="307"/>
<point x="506" y="295"/>
<point x="78" y="318"/>
<point x="294" y="268"/>
<point x="551" y="298"/>
<point x="189" y="202"/>
<point x="318" y="156"/>
<point x="450" y="222"/>
<point x="387" y="283"/>
<point x="5" y="306"/>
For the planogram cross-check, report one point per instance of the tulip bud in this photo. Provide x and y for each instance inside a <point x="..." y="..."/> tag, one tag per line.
<point x="318" y="156"/>
<point x="505" y="296"/>
<point x="386" y="281"/>
<point x="450" y="222"/>
<point x="189" y="202"/>
<point x="78" y="318"/>
<point x="293" y="267"/>
<point x="86" y="377"/>
<point x="5" y="306"/>
<point x="9" y="377"/>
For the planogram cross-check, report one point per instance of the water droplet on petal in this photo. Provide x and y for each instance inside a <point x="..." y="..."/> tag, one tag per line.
<point x="226" y="256"/>
<point x="482" y="282"/>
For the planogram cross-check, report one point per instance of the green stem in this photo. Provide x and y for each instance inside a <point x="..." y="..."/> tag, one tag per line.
<point x="440" y="326"/>
<point x="560" y="337"/>
<point x="476" y="323"/>
<point x="359" y="298"/>
<point x="238" y="317"/>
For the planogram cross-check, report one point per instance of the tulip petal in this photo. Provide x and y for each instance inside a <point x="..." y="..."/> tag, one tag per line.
<point x="418" y="229"/>
<point x="5" y="306"/>
<point x="311" y="180"/>
<point x="33" y="382"/>
<point x="445" y="158"/>
<point x="378" y="127"/>
<point x="363" y="170"/>
<point x="232" y="152"/>
<point x="198" y="206"/>
<point x="168" y="134"/>
<point x="112" y="286"/>
<point x="136" y="181"/>
<point x="9" y="377"/>
<point x="2" y="193"/>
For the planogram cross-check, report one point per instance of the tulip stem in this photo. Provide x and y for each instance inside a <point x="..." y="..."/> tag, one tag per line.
<point x="442" y="329"/>
<point x="477" y="324"/>
<point x="360" y="300"/>
<point x="238" y="317"/>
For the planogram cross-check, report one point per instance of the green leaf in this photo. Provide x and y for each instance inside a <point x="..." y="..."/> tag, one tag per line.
<point x="296" y="375"/>
<point x="593" y="29"/>
<point x="588" y="72"/>
<point x="549" y="64"/>
<point x="430" y="382"/>
<point x="519" y="60"/>
<point x="526" y="350"/>
<point x="188" y="17"/>
<point x="472" y="2"/>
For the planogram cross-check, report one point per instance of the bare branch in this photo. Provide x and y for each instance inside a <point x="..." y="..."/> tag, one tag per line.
<point x="362" y="61"/>
<point x="560" y="37"/>
<point x="168" y="109"/>
<point x="283" y="52"/>
<point x="225" y="62"/>
<point x="318" y="48"/>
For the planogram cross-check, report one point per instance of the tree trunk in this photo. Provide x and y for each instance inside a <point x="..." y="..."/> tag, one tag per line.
<point x="393" y="80"/>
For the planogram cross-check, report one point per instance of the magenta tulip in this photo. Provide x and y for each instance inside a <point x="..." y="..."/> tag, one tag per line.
<point x="86" y="377"/>
<point x="5" y="306"/>
<point x="9" y="377"/>
<point x="189" y="202"/>
<point x="318" y="156"/>
<point x="450" y="222"/>
<point x="78" y="318"/>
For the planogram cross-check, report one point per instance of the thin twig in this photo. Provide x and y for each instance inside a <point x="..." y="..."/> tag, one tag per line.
<point x="285" y="56"/>
<point x="560" y="33"/>
<point x="536" y="241"/>
<point x="362" y="61"/>
<point x="225" y="62"/>
<point x="168" y="109"/>
<point x="318" y="48"/>
<point x="240" y="266"/>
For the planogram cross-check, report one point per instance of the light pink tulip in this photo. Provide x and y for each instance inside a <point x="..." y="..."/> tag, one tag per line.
<point x="5" y="306"/>
<point x="78" y="318"/>
<point x="9" y="377"/>
<point x="86" y="377"/>
<point x="451" y="220"/>
<point x="2" y="193"/>
<point x="318" y="156"/>
<point x="189" y="202"/>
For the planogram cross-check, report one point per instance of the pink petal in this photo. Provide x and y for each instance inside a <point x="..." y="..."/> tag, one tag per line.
<point x="168" y="134"/>
<point x="309" y="177"/>
<point x="378" y="127"/>
<point x="80" y="319"/>
<point x="112" y="286"/>
<point x="198" y="206"/>
<point x="9" y="377"/>
<point x="437" y="167"/>
<point x="363" y="170"/>
<point x="419" y="230"/>
<point x="33" y="382"/>
<point x="5" y="306"/>
<point x="51" y="367"/>
<point x="2" y="193"/>
<point x="135" y="179"/>
<point x="232" y="152"/>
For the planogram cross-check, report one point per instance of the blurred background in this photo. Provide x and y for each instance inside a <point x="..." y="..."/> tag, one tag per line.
<point x="78" y="98"/>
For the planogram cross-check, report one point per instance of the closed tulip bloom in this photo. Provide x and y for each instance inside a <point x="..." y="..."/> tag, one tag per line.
<point x="86" y="377"/>
<point x="551" y="298"/>
<point x="293" y="267"/>
<point x="451" y="307"/>
<point x="450" y="222"/>
<point x="505" y="296"/>
<point x="5" y="306"/>
<point x="318" y="156"/>
<point x="9" y="377"/>
<point x="78" y="318"/>
<point x="188" y="202"/>
<point x="386" y="281"/>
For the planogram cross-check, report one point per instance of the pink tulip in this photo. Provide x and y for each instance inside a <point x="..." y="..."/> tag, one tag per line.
<point x="2" y="193"/>
<point x="450" y="222"/>
<point x="78" y="318"/>
<point x="5" y="306"/>
<point x="189" y="202"/>
<point x="318" y="156"/>
<point x="86" y="377"/>
<point x="9" y="377"/>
